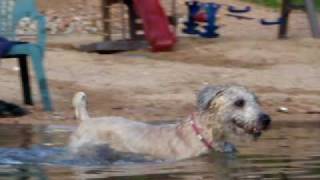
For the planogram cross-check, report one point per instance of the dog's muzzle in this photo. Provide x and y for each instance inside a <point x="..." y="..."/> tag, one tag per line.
<point x="263" y="123"/>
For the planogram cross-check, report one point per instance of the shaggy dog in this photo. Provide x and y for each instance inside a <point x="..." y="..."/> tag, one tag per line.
<point x="224" y="112"/>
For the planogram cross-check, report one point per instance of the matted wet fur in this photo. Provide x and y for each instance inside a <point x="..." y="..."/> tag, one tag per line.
<point x="224" y="112"/>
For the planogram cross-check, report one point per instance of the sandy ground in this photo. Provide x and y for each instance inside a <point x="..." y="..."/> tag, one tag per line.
<point x="146" y="86"/>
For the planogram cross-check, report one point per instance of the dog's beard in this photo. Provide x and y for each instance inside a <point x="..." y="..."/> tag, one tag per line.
<point x="237" y="130"/>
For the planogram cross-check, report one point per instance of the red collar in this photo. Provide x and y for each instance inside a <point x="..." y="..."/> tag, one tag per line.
<point x="197" y="130"/>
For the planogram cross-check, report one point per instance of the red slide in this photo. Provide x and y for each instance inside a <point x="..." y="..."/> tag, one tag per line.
<point x="156" y="24"/>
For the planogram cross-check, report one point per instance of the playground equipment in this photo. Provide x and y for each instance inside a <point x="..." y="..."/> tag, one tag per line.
<point x="196" y="16"/>
<point x="135" y="22"/>
<point x="237" y="11"/>
<point x="204" y="13"/>
<point x="266" y="22"/>
<point x="207" y="13"/>
<point x="155" y="24"/>
<point x="287" y="7"/>
<point x="211" y="27"/>
<point x="233" y="9"/>
<point x="247" y="9"/>
<point x="191" y="24"/>
<point x="309" y="7"/>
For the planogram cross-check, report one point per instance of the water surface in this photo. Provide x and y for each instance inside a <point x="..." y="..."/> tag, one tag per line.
<point x="287" y="151"/>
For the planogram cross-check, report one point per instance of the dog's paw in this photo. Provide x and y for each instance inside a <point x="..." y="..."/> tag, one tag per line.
<point x="229" y="148"/>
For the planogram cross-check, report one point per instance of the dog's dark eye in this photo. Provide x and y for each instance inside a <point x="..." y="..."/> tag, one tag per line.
<point x="240" y="103"/>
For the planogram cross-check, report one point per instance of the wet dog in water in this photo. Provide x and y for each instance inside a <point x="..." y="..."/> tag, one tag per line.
<point x="224" y="113"/>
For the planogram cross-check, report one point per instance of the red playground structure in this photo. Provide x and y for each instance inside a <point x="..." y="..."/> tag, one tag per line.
<point x="135" y="24"/>
<point x="156" y="24"/>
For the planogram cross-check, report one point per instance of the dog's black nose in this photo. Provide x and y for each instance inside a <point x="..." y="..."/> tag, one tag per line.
<point x="264" y="120"/>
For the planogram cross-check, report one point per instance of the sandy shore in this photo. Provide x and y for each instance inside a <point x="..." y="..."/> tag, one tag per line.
<point x="146" y="86"/>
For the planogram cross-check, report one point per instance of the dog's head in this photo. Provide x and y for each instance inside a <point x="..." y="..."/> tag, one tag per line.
<point x="234" y="110"/>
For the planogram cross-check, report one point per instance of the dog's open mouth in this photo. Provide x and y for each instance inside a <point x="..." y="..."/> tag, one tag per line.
<point x="254" y="131"/>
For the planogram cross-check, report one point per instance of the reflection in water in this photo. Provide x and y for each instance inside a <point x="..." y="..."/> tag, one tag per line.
<point x="26" y="137"/>
<point x="288" y="151"/>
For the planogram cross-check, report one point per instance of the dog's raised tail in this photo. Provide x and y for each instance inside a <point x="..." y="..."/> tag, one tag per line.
<point x="79" y="103"/>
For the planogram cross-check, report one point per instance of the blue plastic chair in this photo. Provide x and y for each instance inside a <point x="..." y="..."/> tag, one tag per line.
<point x="11" y="12"/>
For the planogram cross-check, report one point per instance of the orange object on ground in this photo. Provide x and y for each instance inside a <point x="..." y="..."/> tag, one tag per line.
<point x="156" y="24"/>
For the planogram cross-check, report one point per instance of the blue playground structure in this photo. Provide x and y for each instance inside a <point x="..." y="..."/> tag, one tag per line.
<point x="205" y="13"/>
<point x="192" y="24"/>
<point x="210" y="30"/>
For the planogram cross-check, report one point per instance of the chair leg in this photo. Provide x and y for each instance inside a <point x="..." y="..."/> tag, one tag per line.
<point x="37" y="60"/>
<point x="313" y="18"/>
<point x="25" y="81"/>
<point x="285" y="13"/>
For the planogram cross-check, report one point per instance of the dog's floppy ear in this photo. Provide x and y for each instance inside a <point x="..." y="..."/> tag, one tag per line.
<point x="207" y="94"/>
